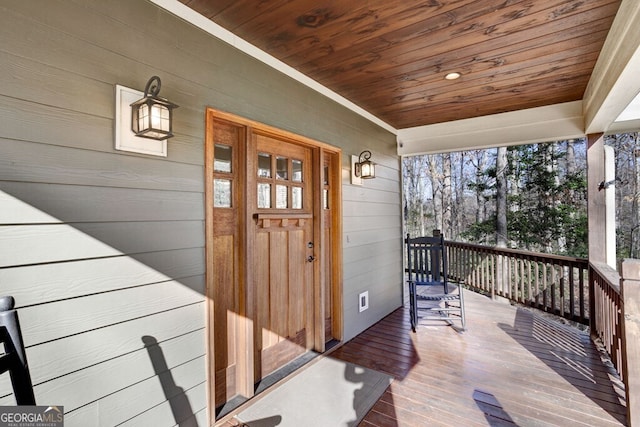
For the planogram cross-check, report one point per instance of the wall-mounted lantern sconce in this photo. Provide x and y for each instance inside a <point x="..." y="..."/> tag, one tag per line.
<point x="362" y="168"/>
<point x="143" y="121"/>
<point x="152" y="116"/>
<point x="365" y="168"/>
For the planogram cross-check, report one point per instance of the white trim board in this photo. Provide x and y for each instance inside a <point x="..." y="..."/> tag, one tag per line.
<point x="614" y="81"/>
<point x="550" y="123"/>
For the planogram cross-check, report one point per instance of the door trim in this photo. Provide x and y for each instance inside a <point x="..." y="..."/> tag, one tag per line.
<point x="322" y="154"/>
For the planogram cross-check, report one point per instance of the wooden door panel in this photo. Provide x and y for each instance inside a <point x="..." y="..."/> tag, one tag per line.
<point x="283" y="322"/>
<point x="261" y="269"/>
<point x="298" y="282"/>
<point x="278" y="284"/>
<point x="327" y="286"/>
<point x="281" y="290"/>
<point x="225" y="299"/>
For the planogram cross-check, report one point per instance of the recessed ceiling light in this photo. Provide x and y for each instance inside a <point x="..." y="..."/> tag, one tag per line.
<point x="452" y="76"/>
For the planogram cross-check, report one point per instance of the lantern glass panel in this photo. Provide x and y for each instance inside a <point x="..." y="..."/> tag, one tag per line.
<point x="160" y="118"/>
<point x="367" y="170"/>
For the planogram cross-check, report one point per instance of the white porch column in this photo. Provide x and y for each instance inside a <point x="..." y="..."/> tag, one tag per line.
<point x="596" y="202"/>
<point x="610" y="205"/>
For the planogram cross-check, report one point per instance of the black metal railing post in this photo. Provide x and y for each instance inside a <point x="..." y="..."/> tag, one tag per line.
<point x="15" y="359"/>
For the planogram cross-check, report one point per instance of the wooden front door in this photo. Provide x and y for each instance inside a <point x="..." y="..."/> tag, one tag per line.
<point x="273" y="255"/>
<point x="281" y="249"/>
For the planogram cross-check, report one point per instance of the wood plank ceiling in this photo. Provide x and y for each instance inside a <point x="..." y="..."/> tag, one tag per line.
<point x="390" y="57"/>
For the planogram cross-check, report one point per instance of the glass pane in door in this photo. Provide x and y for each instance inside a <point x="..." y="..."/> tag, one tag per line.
<point x="282" y="201"/>
<point x="264" y="195"/>
<point x="296" y="166"/>
<point x="221" y="193"/>
<point x="222" y="158"/>
<point x="282" y="166"/>
<point x="264" y="165"/>
<point x="296" y="196"/>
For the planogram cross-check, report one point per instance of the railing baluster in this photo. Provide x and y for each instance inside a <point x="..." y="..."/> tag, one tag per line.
<point x="495" y="279"/>
<point x="536" y="268"/>
<point x="545" y="291"/>
<point x="572" y="293"/>
<point x="528" y="272"/>
<point x="581" y="290"/>
<point x="516" y="280"/>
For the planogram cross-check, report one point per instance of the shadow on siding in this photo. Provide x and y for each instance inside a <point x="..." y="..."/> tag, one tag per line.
<point x="180" y="406"/>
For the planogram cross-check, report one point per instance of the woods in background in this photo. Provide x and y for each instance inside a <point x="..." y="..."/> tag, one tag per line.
<point x="530" y="197"/>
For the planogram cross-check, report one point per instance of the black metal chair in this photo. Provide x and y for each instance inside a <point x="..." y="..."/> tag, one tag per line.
<point x="14" y="359"/>
<point x="431" y="296"/>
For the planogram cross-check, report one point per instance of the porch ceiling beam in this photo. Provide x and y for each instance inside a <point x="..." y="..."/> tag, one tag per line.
<point x="550" y="123"/>
<point x="614" y="81"/>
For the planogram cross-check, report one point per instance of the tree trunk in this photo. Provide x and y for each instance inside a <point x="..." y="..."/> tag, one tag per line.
<point x="571" y="158"/>
<point x="561" y="239"/>
<point x="414" y="172"/>
<point x="460" y="204"/>
<point x="635" y="204"/>
<point x="501" y="197"/>
<point x="436" y="190"/>
<point x="514" y="175"/>
<point x="481" y="181"/>
<point x="447" y="199"/>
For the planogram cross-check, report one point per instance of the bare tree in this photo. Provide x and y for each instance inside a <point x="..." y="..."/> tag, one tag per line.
<point x="460" y="204"/>
<point x="501" y="197"/>
<point x="447" y="199"/>
<point x="479" y="160"/>
<point x="551" y="163"/>
<point x="414" y="181"/>
<point x="627" y="163"/>
<point x="570" y="158"/>
<point x="435" y="176"/>
<point x="634" y="250"/>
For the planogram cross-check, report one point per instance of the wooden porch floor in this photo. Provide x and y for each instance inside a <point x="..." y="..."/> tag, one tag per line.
<point x="511" y="366"/>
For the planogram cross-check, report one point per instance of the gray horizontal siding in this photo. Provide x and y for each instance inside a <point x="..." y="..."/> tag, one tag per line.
<point x="79" y="315"/>
<point x="125" y="406"/>
<point x="37" y="284"/>
<point x="58" y="201"/>
<point x="44" y="163"/>
<point x="372" y="244"/>
<point x="100" y="247"/>
<point x="43" y="243"/>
